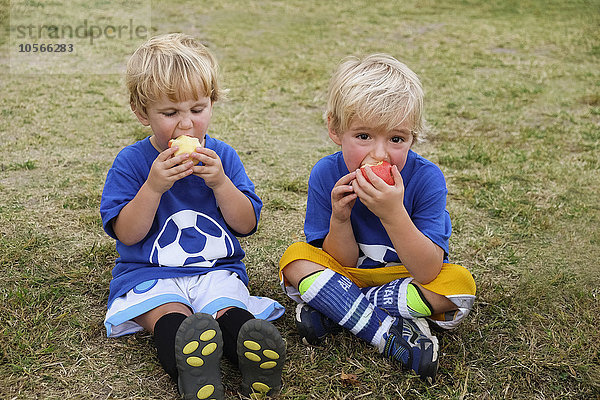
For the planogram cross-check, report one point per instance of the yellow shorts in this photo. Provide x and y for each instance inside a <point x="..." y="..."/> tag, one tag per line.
<point x="454" y="281"/>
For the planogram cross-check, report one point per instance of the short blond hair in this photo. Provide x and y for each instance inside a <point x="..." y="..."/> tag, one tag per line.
<point x="174" y="65"/>
<point x="377" y="89"/>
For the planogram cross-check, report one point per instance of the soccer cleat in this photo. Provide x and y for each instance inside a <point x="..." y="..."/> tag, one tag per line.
<point x="261" y="354"/>
<point x="411" y="344"/>
<point x="312" y="325"/>
<point x="198" y="351"/>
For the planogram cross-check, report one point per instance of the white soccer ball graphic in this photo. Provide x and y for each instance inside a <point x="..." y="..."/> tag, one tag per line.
<point x="375" y="252"/>
<point x="192" y="239"/>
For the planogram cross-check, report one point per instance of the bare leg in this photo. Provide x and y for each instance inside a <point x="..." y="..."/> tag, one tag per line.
<point x="296" y="270"/>
<point x="439" y="303"/>
<point x="149" y="318"/>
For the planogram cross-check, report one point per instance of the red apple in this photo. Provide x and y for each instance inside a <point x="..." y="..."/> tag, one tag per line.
<point x="382" y="169"/>
<point x="187" y="144"/>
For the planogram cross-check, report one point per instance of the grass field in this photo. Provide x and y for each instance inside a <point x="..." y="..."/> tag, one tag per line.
<point x="513" y="104"/>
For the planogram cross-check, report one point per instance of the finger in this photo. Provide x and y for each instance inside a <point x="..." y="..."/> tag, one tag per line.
<point x="206" y="159"/>
<point x="346" y="179"/>
<point x="373" y="177"/>
<point x="397" y="176"/>
<point x="340" y="191"/>
<point x="207" y="152"/>
<point x="362" y="187"/>
<point x="360" y="175"/>
<point x="200" y="169"/>
<point x="180" y="167"/>
<point x="374" y="180"/>
<point x="196" y="158"/>
<point x="168" y="153"/>
<point x="182" y="174"/>
<point x="177" y="160"/>
<point x="361" y="183"/>
<point x="346" y="200"/>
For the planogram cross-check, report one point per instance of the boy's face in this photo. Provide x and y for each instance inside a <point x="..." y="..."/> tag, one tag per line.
<point x="364" y="144"/>
<point x="170" y="120"/>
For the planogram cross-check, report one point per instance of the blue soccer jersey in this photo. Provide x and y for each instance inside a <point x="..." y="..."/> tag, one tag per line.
<point x="424" y="199"/>
<point x="189" y="236"/>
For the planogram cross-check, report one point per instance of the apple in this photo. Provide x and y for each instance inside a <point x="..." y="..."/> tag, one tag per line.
<point x="187" y="144"/>
<point x="382" y="169"/>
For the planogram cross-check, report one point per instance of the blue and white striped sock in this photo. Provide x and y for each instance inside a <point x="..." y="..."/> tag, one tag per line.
<point x="338" y="298"/>
<point x="400" y="298"/>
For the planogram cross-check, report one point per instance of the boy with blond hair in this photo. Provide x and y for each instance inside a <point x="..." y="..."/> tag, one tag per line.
<point x="175" y="219"/>
<point x="376" y="257"/>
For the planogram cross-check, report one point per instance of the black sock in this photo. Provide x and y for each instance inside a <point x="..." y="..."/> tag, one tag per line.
<point x="165" y="330"/>
<point x="230" y="323"/>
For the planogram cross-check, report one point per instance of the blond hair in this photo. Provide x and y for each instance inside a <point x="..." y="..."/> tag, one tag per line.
<point x="173" y="65"/>
<point x="379" y="90"/>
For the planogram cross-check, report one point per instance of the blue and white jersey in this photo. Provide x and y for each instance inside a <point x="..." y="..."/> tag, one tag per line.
<point x="424" y="199"/>
<point x="189" y="236"/>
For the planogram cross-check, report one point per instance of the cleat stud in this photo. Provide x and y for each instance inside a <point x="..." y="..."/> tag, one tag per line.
<point x="190" y="347"/>
<point x="249" y="344"/>
<point x="260" y="387"/>
<point x="252" y="357"/>
<point x="205" y="391"/>
<point x="271" y="354"/>
<point x="208" y="335"/>
<point x="209" y="349"/>
<point x="268" y="365"/>
<point x="195" y="361"/>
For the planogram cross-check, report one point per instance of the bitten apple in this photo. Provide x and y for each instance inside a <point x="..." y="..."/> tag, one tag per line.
<point x="186" y="144"/>
<point x="382" y="169"/>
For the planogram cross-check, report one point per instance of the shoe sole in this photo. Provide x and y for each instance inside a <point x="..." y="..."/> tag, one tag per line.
<point x="198" y="351"/>
<point x="261" y="355"/>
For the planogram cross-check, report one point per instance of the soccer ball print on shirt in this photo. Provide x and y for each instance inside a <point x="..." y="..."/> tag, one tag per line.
<point x="190" y="238"/>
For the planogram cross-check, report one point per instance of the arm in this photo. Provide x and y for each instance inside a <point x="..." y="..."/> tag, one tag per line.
<point x="235" y="206"/>
<point x="340" y="242"/>
<point x="421" y="257"/>
<point x="135" y="219"/>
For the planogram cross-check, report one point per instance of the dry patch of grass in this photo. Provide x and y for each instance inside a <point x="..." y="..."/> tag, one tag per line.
<point x="512" y="101"/>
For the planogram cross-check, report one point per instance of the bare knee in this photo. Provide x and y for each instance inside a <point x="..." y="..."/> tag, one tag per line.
<point x="298" y="269"/>
<point x="149" y="318"/>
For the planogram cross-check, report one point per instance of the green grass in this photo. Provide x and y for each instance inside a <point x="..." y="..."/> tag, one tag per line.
<point x="513" y="105"/>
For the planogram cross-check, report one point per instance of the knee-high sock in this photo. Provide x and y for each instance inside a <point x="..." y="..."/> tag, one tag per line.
<point x="400" y="298"/>
<point x="165" y="331"/>
<point x="230" y="323"/>
<point x="338" y="298"/>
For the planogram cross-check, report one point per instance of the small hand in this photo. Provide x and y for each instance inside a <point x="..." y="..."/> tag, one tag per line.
<point x="343" y="198"/>
<point x="382" y="199"/>
<point x="167" y="169"/>
<point x="210" y="167"/>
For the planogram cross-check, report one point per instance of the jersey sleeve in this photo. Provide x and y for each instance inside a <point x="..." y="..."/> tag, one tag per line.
<point x="123" y="181"/>
<point x="234" y="169"/>
<point x="429" y="213"/>
<point x="318" y="207"/>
